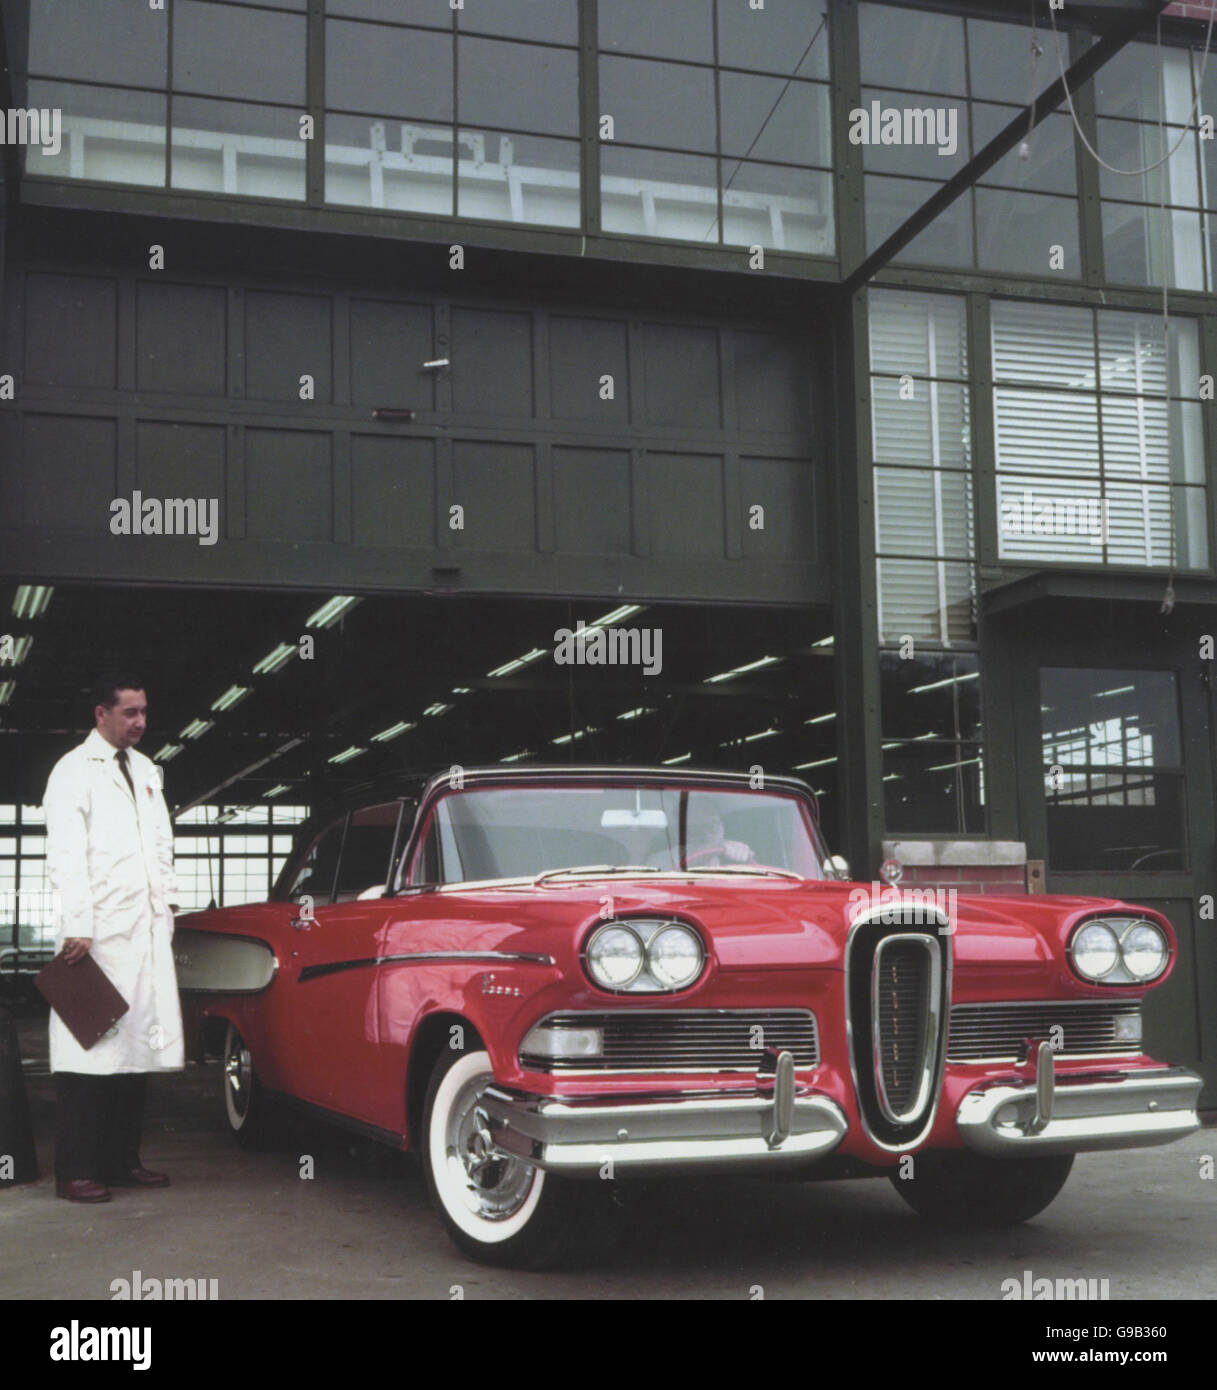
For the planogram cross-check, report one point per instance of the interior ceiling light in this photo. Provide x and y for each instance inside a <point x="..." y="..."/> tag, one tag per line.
<point x="461" y="690"/>
<point x="618" y="615"/>
<point x="21" y="649"/>
<point x="571" y="738"/>
<point x="636" y="713"/>
<point x="232" y="696"/>
<point x="347" y="754"/>
<point x="276" y="791"/>
<point x="392" y="731"/>
<point x="950" y="680"/>
<point x="435" y="709"/>
<point x="821" y="718"/>
<point x="671" y="762"/>
<point x="515" y="757"/>
<point x="824" y="642"/>
<point x="509" y="667"/>
<point x="272" y="661"/>
<point x="740" y="670"/>
<point x="31" y="600"/>
<point x="170" y="750"/>
<point x="330" y="611"/>
<point x="820" y="762"/>
<point x="6" y="691"/>
<point x="196" y="728"/>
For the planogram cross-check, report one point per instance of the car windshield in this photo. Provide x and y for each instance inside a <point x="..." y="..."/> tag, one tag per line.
<point x="526" y="831"/>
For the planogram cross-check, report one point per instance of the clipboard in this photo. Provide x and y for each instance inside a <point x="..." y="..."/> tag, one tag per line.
<point x="82" y="996"/>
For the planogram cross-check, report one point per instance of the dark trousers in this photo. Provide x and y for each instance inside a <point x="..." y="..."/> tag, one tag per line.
<point x="98" y="1123"/>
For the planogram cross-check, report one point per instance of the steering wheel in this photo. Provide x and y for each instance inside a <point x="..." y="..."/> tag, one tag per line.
<point x="701" y="854"/>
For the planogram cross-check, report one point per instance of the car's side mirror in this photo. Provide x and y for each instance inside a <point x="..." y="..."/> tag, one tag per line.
<point x="839" y="865"/>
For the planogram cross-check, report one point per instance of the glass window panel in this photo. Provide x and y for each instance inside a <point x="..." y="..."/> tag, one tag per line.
<point x="1132" y="246"/>
<point x="931" y="428"/>
<point x="390" y="72"/>
<point x="787" y="36"/>
<point x="518" y="178"/>
<point x="1048" y="432"/>
<point x="237" y="148"/>
<point x="932" y="694"/>
<point x="921" y="334"/>
<point x="658" y="103"/>
<point x="1191" y="527"/>
<point x="929" y="599"/>
<point x="404" y="166"/>
<point x="1000" y="61"/>
<point x="1019" y="232"/>
<point x="274" y="4"/>
<point x="33" y="815"/>
<point x="109" y="136"/>
<point x="923" y="512"/>
<point x="129" y="47"/>
<point x="1131" y="146"/>
<point x="8" y="814"/>
<point x="1050" y="519"/>
<point x="934" y="789"/>
<point x="889" y="204"/>
<point x="1049" y="167"/>
<point x="222" y="50"/>
<point x="1123" y="717"/>
<point x="1045" y="343"/>
<point x="435" y="14"/>
<point x="1147" y="439"/>
<point x="767" y="118"/>
<point x="290" y="815"/>
<point x="651" y="193"/>
<point x="519" y="86"/>
<point x="1127" y="84"/>
<point x="548" y="21"/>
<point x="1142" y="527"/>
<point x="673" y="29"/>
<point x="1131" y="353"/>
<point x="937" y="135"/>
<point x="896" y="43"/>
<point x="777" y="206"/>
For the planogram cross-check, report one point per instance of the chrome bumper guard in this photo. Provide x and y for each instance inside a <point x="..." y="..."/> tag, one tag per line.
<point x="767" y="1126"/>
<point x="1051" y="1116"/>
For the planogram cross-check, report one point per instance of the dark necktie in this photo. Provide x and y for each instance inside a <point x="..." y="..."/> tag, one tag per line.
<point x="121" y="755"/>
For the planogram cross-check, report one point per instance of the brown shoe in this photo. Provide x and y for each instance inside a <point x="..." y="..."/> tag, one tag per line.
<point x="140" y="1177"/>
<point x="82" y="1190"/>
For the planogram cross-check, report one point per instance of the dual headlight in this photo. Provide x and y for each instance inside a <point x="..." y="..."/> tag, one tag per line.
<point x="1119" y="950"/>
<point x="644" y="956"/>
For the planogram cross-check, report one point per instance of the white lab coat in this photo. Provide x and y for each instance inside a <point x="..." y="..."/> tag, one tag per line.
<point x="110" y="863"/>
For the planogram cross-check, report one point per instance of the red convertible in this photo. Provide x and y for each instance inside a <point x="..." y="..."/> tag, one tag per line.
<point x="543" y="980"/>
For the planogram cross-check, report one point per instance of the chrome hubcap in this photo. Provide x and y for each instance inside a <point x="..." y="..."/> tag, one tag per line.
<point x="237" y="1071"/>
<point x="492" y="1184"/>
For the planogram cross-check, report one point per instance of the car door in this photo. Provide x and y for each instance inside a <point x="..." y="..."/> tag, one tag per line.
<point x="336" y="1059"/>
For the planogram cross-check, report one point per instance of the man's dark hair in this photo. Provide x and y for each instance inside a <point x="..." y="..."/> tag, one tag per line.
<point x="105" y="689"/>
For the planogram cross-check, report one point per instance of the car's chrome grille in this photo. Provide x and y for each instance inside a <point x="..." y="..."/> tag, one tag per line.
<point x="902" y="992"/>
<point x="999" y="1030"/>
<point x="689" y="1039"/>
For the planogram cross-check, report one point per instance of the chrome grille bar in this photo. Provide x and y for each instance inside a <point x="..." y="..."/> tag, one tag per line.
<point x="998" y="1030"/>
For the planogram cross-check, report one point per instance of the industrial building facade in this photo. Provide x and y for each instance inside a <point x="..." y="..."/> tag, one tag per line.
<point x="474" y="320"/>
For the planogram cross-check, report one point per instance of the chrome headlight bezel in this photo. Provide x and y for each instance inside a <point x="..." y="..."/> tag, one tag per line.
<point x="646" y="930"/>
<point x="1122" y="928"/>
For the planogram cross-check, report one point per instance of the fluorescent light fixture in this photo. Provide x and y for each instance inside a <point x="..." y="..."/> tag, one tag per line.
<point x="31" y="600"/>
<point x="824" y="642"/>
<point x="1119" y="690"/>
<point x="330" y="611"/>
<point x="740" y="670"/>
<point x="435" y="709"/>
<point x="636" y="713"/>
<point x="571" y="738"/>
<point x="821" y="762"/>
<point x="894" y="777"/>
<point x="461" y="690"/>
<point x="627" y="610"/>
<point x="515" y="757"/>
<point x="509" y="667"/>
<point x="276" y="791"/>
<point x="821" y="718"/>
<point x="232" y="696"/>
<point x="6" y="691"/>
<point x="347" y="754"/>
<point x="170" y="750"/>
<point x="946" y="767"/>
<point x="392" y="731"/>
<point x="21" y="649"/>
<point x="750" y="738"/>
<point x="671" y="762"/>
<point x="272" y="661"/>
<point x="196" y="728"/>
<point x="950" y="680"/>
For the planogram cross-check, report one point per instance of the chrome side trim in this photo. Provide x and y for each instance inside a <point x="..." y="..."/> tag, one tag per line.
<point x="314" y="972"/>
<point x="1143" y="1108"/>
<point x="929" y="1031"/>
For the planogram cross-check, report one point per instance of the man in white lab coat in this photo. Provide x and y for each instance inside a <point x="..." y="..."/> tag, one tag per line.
<point x="110" y="861"/>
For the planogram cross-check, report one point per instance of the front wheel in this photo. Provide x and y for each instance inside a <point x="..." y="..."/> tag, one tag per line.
<point x="252" y="1119"/>
<point x="497" y="1208"/>
<point x="965" y="1189"/>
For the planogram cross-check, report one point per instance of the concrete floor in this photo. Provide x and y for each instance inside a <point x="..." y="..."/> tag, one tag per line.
<point x="1143" y="1219"/>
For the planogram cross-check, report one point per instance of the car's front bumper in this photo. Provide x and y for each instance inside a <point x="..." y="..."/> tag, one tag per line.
<point x="763" y="1127"/>
<point x="1057" y="1115"/>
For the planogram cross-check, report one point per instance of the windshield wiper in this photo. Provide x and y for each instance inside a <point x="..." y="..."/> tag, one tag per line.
<point x="743" y="869"/>
<point x="581" y="869"/>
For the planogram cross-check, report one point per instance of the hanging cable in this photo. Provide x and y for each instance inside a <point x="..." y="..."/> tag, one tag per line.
<point x="1111" y="168"/>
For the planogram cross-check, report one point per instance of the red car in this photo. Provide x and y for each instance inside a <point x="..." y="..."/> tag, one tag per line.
<point x="543" y="980"/>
